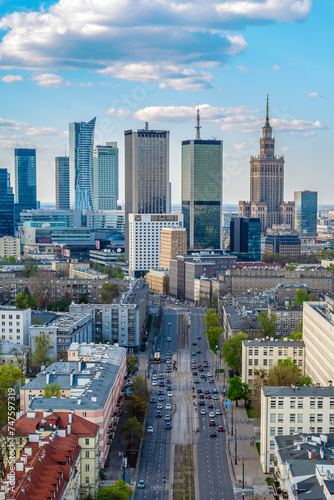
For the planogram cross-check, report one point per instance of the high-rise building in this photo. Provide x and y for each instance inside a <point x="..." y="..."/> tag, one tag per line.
<point x="25" y="179"/>
<point x="105" y="175"/>
<point x="284" y="244"/>
<point x="62" y="183"/>
<point x="81" y="143"/>
<point x="6" y="205"/>
<point x="245" y="238"/>
<point x="146" y="174"/>
<point x="306" y="207"/>
<point x="202" y="193"/>
<point x="173" y="242"/>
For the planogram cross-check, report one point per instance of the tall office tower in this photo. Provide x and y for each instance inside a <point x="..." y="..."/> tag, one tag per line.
<point x="105" y="175"/>
<point x="146" y="174"/>
<point x="306" y="207"/>
<point x="81" y="164"/>
<point x="245" y="238"/>
<point x="6" y="205"/>
<point x="202" y="193"/>
<point x="267" y="175"/>
<point x="25" y="180"/>
<point x="62" y="183"/>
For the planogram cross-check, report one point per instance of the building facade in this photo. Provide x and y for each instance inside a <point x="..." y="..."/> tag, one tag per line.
<point x="158" y="281"/>
<point x="81" y="142"/>
<point x="105" y="175"/>
<point x="245" y="238"/>
<point x="62" y="169"/>
<point x="10" y="247"/>
<point x="173" y="242"/>
<point x="7" y="210"/>
<point x="106" y="219"/>
<point x="306" y="203"/>
<point x="67" y="218"/>
<point x="15" y="324"/>
<point x="202" y="192"/>
<point x="25" y="179"/>
<point x="284" y="244"/>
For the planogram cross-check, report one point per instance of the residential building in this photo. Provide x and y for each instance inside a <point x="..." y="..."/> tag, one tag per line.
<point x="7" y="210"/>
<point x="286" y="296"/>
<point x="158" y="281"/>
<point x="84" y="272"/>
<point x="61" y="332"/>
<point x="105" y="175"/>
<point x="81" y="142"/>
<point x="106" y="219"/>
<point x="25" y="180"/>
<point x="173" y="242"/>
<point x="144" y="240"/>
<point x="15" y="324"/>
<point x="202" y="191"/>
<point x="12" y="354"/>
<point x="206" y="289"/>
<point x="288" y="319"/>
<point x="242" y="318"/>
<point x="285" y="410"/>
<point x="91" y="386"/>
<point x="284" y="244"/>
<point x="62" y="182"/>
<point x="245" y="238"/>
<point x="10" y="247"/>
<point x="146" y="175"/>
<point x="262" y="354"/>
<point x="318" y="335"/>
<point x="306" y="203"/>
<point x="65" y="218"/>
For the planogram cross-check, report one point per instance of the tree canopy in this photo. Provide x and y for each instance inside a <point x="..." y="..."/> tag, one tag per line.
<point x="109" y="292"/>
<point x="213" y="328"/>
<point x="140" y="389"/>
<point x="119" y="491"/>
<point x="52" y="390"/>
<point x="301" y="296"/>
<point x="268" y="323"/>
<point x="285" y="373"/>
<point x="237" y="390"/>
<point x="41" y="351"/>
<point x="232" y="350"/>
<point x="24" y="300"/>
<point x="30" y="269"/>
<point x="132" y="429"/>
<point x="11" y="378"/>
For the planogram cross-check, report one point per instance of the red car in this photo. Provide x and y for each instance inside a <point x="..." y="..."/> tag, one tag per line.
<point x="220" y="428"/>
<point x="199" y="366"/>
<point x="212" y="422"/>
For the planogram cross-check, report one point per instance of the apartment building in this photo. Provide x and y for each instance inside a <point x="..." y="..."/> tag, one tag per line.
<point x="84" y="272"/>
<point x="173" y="242"/>
<point x="286" y="410"/>
<point x="15" y="324"/>
<point x="287" y="319"/>
<point x="262" y="354"/>
<point x="10" y="247"/>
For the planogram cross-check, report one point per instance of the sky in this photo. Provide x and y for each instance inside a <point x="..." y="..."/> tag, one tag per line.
<point x="131" y="61"/>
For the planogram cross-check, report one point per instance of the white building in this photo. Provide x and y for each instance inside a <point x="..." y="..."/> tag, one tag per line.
<point x="285" y="410"/>
<point x="15" y="324"/>
<point x="144" y="239"/>
<point x="10" y="247"/>
<point x="106" y="219"/>
<point x="105" y="165"/>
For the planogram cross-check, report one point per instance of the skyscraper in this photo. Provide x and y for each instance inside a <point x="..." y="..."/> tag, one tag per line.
<point x="81" y="143"/>
<point x="105" y="175"/>
<point x="146" y="174"/>
<point x="25" y="180"/>
<point x="62" y="183"/>
<point x="245" y="238"/>
<point x="306" y="208"/>
<point x="202" y="193"/>
<point x="6" y="205"/>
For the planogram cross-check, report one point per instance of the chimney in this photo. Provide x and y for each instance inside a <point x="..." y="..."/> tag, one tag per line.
<point x="47" y="381"/>
<point x="70" y="418"/>
<point x="69" y="429"/>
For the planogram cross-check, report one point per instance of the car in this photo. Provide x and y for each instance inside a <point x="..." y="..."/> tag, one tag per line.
<point x="155" y="377"/>
<point x="202" y="402"/>
<point x="169" y="388"/>
<point x="218" y="411"/>
<point x="168" y="426"/>
<point x="199" y="366"/>
<point x="207" y="391"/>
<point x="199" y="337"/>
<point x="215" y="396"/>
<point x="158" y="414"/>
<point x="198" y="351"/>
<point x="153" y="400"/>
<point x="154" y="382"/>
<point x="168" y="355"/>
<point x="168" y="362"/>
<point x="201" y="369"/>
<point x="211" y="381"/>
<point x="161" y="383"/>
<point x="209" y="374"/>
<point x="170" y="394"/>
<point x="161" y="375"/>
<point x="150" y="429"/>
<point x="210" y="405"/>
<point x="196" y="381"/>
<point x="141" y="484"/>
<point x="203" y="411"/>
<point x="203" y="376"/>
<point x="208" y="396"/>
<point x="212" y="423"/>
<point x="213" y="434"/>
<point x="128" y="384"/>
<point x="159" y="406"/>
<point x="168" y="381"/>
<point x="212" y="414"/>
<point x="193" y="353"/>
<point x="167" y="418"/>
<point x="199" y="390"/>
<point x="162" y="360"/>
<point x="205" y="365"/>
<point x="168" y="369"/>
<point x="220" y="428"/>
<point x="154" y="370"/>
<point x="160" y="393"/>
<point x="194" y="343"/>
<point x="169" y="339"/>
<point x="168" y="406"/>
<point x="214" y="391"/>
<point x="169" y="324"/>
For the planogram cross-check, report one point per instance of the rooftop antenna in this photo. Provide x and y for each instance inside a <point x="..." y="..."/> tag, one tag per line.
<point x="198" y="126"/>
<point x="267" y="112"/>
<point x="146" y="125"/>
<point x="65" y="150"/>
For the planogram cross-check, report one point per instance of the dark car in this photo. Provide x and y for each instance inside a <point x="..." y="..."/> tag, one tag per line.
<point x="195" y="373"/>
<point x="168" y="381"/>
<point x="158" y="414"/>
<point x="169" y="387"/>
<point x="211" y="381"/>
<point x="153" y="400"/>
<point x="201" y="368"/>
<point x="161" y="375"/>
<point x="168" y="426"/>
<point x="194" y="343"/>
<point x="207" y="391"/>
<point x="161" y="383"/>
<point x="220" y="428"/>
<point x="193" y="353"/>
<point x="198" y="351"/>
<point x="210" y="405"/>
<point x="208" y="396"/>
<point x="160" y="393"/>
<point x="201" y="396"/>
<point x="196" y="381"/>
<point x="213" y="434"/>
<point x="202" y="402"/>
<point x="214" y="391"/>
<point x="203" y="375"/>
<point x="212" y="423"/>
<point x="199" y="337"/>
<point x="199" y="390"/>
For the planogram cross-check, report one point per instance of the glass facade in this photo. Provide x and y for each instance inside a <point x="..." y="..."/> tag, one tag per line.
<point x="6" y="205"/>
<point x="245" y="238"/>
<point x="306" y="207"/>
<point x="25" y="179"/>
<point x="202" y="168"/>
<point x="62" y="183"/>
<point x="105" y="166"/>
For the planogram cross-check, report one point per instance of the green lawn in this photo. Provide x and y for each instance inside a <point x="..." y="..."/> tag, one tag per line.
<point x="251" y="412"/>
<point x="258" y="447"/>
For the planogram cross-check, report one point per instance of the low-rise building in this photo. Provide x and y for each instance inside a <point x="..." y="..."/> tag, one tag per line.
<point x="10" y="247"/>
<point x="13" y="355"/>
<point x="242" y="318"/>
<point x="286" y="295"/>
<point x="262" y="354"/>
<point x="288" y="319"/>
<point x="84" y="272"/>
<point x="15" y="324"/>
<point x="283" y="244"/>
<point x="285" y="410"/>
<point x="158" y="281"/>
<point x="173" y="243"/>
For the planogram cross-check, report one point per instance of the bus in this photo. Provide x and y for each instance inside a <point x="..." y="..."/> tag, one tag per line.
<point x="157" y="357"/>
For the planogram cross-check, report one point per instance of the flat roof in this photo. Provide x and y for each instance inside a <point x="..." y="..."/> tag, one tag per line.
<point x="308" y="391"/>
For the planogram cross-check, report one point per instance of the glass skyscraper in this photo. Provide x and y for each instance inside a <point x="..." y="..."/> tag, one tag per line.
<point x="62" y="183"/>
<point x="202" y="193"/>
<point x="6" y="205"/>
<point x="25" y="180"/>
<point x="105" y="170"/>
<point x="81" y="143"/>
<point x="245" y="238"/>
<point x="306" y="208"/>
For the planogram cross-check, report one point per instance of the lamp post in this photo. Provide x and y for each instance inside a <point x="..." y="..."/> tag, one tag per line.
<point x="243" y="473"/>
<point x="232" y="421"/>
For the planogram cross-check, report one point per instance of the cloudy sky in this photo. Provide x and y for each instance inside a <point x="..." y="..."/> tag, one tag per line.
<point x="131" y="61"/>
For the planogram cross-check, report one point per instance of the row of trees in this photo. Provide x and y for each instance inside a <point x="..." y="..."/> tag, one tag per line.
<point x="213" y="328"/>
<point x="314" y="258"/>
<point x="118" y="491"/>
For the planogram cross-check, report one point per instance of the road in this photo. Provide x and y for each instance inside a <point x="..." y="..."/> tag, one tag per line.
<point x="188" y="446"/>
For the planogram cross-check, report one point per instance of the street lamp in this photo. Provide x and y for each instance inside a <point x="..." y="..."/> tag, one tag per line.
<point x="243" y="473"/>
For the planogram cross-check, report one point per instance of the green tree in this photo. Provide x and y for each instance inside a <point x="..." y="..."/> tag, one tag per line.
<point x="24" y="300"/>
<point x="140" y="388"/>
<point x="22" y="357"/>
<point x="298" y="334"/>
<point x="132" y="429"/>
<point x="291" y="266"/>
<point x="301" y="296"/>
<point x="231" y="351"/>
<point x="41" y="351"/>
<point x="120" y="257"/>
<point x="136" y="407"/>
<point x="119" y="491"/>
<point x="52" y="390"/>
<point x="268" y="323"/>
<point x="213" y="328"/>
<point x="109" y="292"/>
<point x="330" y="268"/>
<point x="237" y="390"/>
<point x="30" y="269"/>
<point x="285" y="373"/>
<point x="11" y="380"/>
<point x="214" y="301"/>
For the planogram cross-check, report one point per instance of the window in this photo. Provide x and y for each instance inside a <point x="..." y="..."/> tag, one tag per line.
<point x="87" y="467"/>
<point x="84" y="414"/>
<point x="319" y="417"/>
<point x="250" y="372"/>
<point x="320" y="403"/>
<point x="280" y="417"/>
<point x="319" y="430"/>
<point x="300" y="418"/>
<point x="265" y="352"/>
<point x="272" y="417"/>
<point x="292" y="430"/>
<point x="312" y="403"/>
<point x="280" y="352"/>
<point x="87" y="480"/>
<point x="272" y="431"/>
<point x="87" y="441"/>
<point x="250" y="362"/>
<point x="331" y="418"/>
<point x="250" y="352"/>
<point x="312" y="417"/>
<point x="331" y="404"/>
<point x="272" y="445"/>
<point x="265" y="362"/>
<point x="87" y="454"/>
<point x="256" y="362"/>
<point x="273" y="403"/>
<point x="280" y="431"/>
<point x="292" y="403"/>
<point x="256" y="352"/>
<point x="292" y="417"/>
<point x="280" y="403"/>
<point x="271" y="362"/>
<point x="300" y="403"/>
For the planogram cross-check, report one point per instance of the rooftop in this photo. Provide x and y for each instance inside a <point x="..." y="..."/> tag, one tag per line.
<point x="64" y="320"/>
<point x="309" y="391"/>
<point x="274" y="342"/>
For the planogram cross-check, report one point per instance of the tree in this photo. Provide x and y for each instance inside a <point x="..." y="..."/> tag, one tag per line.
<point x="285" y="373"/>
<point x="291" y="266"/>
<point x="132" y="429"/>
<point x="119" y="491"/>
<point x="120" y="257"/>
<point x="43" y="290"/>
<point x="231" y="351"/>
<point x="268" y="323"/>
<point x="301" y="296"/>
<point x="330" y="268"/>
<point x="136" y="407"/>
<point x="30" y="269"/>
<point x="298" y="334"/>
<point x="214" y="301"/>
<point x="258" y="381"/>
<point x="41" y="352"/>
<point x="140" y="389"/>
<point x="237" y="390"/>
<point x="11" y="380"/>
<point x="213" y="328"/>
<point x="109" y="292"/>
<point x="24" y="300"/>
<point x="52" y="390"/>
<point x="22" y="357"/>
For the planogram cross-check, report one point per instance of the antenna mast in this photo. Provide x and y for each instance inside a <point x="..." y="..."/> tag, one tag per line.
<point x="198" y="126"/>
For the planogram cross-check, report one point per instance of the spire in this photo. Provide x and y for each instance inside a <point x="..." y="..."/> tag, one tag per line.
<point x="267" y="113"/>
<point x="198" y="127"/>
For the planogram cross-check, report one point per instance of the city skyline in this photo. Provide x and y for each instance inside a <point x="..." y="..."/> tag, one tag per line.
<point x="264" y="48"/>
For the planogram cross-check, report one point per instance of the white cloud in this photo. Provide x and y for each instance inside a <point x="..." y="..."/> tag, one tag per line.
<point x="50" y="80"/>
<point x="309" y="134"/>
<point x="88" y="84"/>
<point x="285" y="148"/>
<point x="275" y="67"/>
<point x="45" y="131"/>
<point x="242" y="68"/>
<point x="12" y="78"/>
<point x="240" y="147"/>
<point x="313" y="94"/>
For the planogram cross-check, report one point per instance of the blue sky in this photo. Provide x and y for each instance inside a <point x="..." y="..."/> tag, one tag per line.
<point x="131" y="61"/>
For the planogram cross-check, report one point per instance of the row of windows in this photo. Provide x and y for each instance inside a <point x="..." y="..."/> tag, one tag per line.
<point x="271" y="352"/>
<point x="313" y="403"/>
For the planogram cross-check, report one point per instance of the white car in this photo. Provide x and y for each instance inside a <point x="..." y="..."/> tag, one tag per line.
<point x="154" y="382"/>
<point x="209" y="374"/>
<point x="170" y="394"/>
<point x="169" y="324"/>
<point x="155" y="377"/>
<point x="159" y="406"/>
<point x="167" y="418"/>
<point x="150" y="429"/>
<point x="168" y="406"/>
<point x="218" y="411"/>
<point x="215" y="396"/>
<point x="212" y="414"/>
<point x="203" y="411"/>
<point x="169" y="339"/>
